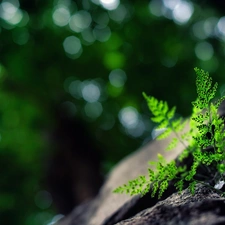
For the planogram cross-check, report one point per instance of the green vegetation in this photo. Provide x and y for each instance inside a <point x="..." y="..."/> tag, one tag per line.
<point x="205" y="143"/>
<point x="92" y="61"/>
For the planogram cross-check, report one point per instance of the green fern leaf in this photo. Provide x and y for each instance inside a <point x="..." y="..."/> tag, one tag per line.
<point x="158" y="119"/>
<point x="219" y="101"/>
<point x="192" y="186"/>
<point x="163" y="186"/>
<point x="205" y="90"/>
<point x="163" y="125"/>
<point x="164" y="134"/>
<point x="172" y="144"/>
<point x="171" y="113"/>
<point x="179" y="185"/>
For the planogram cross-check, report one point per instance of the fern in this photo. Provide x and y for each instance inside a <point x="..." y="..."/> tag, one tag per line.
<point x="165" y="118"/>
<point x="159" y="181"/>
<point x="172" y="144"/>
<point x="206" y="130"/>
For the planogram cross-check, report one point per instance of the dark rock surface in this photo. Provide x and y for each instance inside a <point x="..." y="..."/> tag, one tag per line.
<point x="109" y="208"/>
<point x="206" y="207"/>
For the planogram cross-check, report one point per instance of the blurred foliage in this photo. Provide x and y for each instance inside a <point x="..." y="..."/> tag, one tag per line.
<point x="94" y="57"/>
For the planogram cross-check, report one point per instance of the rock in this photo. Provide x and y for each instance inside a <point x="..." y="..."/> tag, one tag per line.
<point x="108" y="206"/>
<point x="205" y="207"/>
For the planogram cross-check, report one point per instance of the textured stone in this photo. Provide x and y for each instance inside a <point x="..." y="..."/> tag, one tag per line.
<point x="206" y="207"/>
<point x="110" y="205"/>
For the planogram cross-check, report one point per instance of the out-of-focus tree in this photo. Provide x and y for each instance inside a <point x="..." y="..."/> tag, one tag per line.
<point x="93" y="58"/>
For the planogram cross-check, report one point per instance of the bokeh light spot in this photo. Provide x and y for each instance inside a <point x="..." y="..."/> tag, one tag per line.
<point x="110" y="4"/>
<point x="204" y="51"/>
<point x="114" y="60"/>
<point x="198" y="30"/>
<point x="171" y="4"/>
<point x="138" y="130"/>
<point x="17" y="17"/>
<point x="178" y="10"/>
<point x="24" y="20"/>
<point x="183" y="12"/>
<point x="10" y="12"/>
<point x="128" y="117"/>
<point x="93" y="109"/>
<point x="155" y="7"/>
<point x="102" y="33"/>
<point x="88" y="36"/>
<point x="74" y="89"/>
<point x="117" y="78"/>
<point x="9" y="8"/>
<point x="91" y="91"/>
<point x="43" y="199"/>
<point x="101" y="18"/>
<point x="96" y="2"/>
<point x="131" y="121"/>
<point x="205" y="28"/>
<point x="72" y="46"/>
<point x="80" y="21"/>
<point x="61" y="16"/>
<point x="210" y="26"/>
<point x="118" y="14"/>
<point x="221" y="26"/>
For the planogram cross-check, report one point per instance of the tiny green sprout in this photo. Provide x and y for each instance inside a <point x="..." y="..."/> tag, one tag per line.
<point x="205" y="144"/>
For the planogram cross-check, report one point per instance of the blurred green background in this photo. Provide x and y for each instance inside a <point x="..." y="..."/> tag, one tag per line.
<point x="91" y="60"/>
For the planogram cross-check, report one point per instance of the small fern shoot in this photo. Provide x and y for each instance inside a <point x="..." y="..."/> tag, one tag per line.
<point x="206" y="132"/>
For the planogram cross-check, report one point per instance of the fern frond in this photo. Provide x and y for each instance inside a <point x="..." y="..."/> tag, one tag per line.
<point x="164" y="134"/>
<point x="192" y="171"/>
<point x="159" y="109"/>
<point x="163" y="186"/>
<point x="171" y="113"/>
<point x="219" y="101"/>
<point x="155" y="187"/>
<point x="159" y="119"/>
<point x="205" y="90"/>
<point x="164" y="124"/>
<point x="201" y="117"/>
<point x="179" y="185"/>
<point x="172" y="144"/>
<point x="207" y="129"/>
<point x="179" y="124"/>
<point x="192" y="186"/>
<point x="161" y="112"/>
<point x="140" y="185"/>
